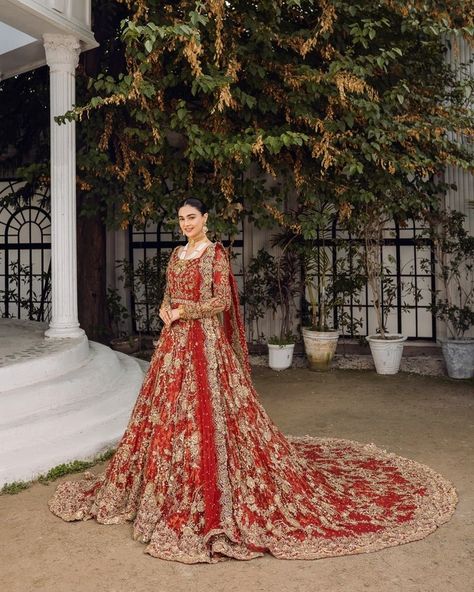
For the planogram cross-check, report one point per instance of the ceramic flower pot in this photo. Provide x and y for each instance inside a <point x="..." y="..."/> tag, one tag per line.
<point x="320" y="347"/>
<point x="387" y="353"/>
<point x="459" y="357"/>
<point x="280" y="357"/>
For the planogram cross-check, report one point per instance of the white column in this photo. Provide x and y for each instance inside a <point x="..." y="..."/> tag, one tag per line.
<point x="62" y="56"/>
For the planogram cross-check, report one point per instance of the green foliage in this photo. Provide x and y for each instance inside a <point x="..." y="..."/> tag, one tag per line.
<point x="146" y="282"/>
<point x="286" y="339"/>
<point x="333" y="281"/>
<point x="453" y="266"/>
<point x="14" y="487"/>
<point x="272" y="283"/>
<point x="75" y="466"/>
<point x="117" y="313"/>
<point x="329" y="280"/>
<point x="24" y="119"/>
<point x="260" y="294"/>
<point x="244" y="103"/>
<point x="288" y="287"/>
<point x="20" y="293"/>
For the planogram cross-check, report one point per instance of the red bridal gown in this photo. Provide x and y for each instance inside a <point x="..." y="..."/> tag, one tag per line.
<point x="205" y="475"/>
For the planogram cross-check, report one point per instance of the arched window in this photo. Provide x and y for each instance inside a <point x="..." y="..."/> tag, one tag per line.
<point x="25" y="257"/>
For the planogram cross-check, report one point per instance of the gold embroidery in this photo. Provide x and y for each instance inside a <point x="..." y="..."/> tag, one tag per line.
<point x="295" y="497"/>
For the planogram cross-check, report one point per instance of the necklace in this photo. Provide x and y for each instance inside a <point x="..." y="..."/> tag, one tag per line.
<point x="192" y="242"/>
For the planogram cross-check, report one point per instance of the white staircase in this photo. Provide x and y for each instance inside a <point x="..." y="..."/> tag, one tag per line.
<point x="79" y="409"/>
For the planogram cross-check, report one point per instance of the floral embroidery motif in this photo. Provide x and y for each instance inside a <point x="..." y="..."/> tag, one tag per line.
<point x="205" y="475"/>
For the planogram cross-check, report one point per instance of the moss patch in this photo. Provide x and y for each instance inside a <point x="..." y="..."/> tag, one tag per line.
<point x="76" y="466"/>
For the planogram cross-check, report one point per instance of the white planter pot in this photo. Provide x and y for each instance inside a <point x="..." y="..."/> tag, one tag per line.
<point x="459" y="357"/>
<point x="280" y="357"/>
<point x="320" y="347"/>
<point x="387" y="353"/>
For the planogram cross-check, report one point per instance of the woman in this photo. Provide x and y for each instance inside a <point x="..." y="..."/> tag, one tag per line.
<point x="203" y="472"/>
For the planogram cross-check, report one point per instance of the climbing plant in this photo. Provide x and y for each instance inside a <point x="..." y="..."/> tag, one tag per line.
<point x="246" y="102"/>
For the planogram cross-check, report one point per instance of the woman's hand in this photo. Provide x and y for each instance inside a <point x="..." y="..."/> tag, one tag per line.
<point x="165" y="316"/>
<point x="174" y="315"/>
<point x="169" y="315"/>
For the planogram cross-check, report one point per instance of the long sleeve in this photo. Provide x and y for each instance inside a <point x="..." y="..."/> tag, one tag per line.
<point x="166" y="302"/>
<point x="221" y="299"/>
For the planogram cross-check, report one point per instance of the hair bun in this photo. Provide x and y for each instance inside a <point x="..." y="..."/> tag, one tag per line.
<point x="194" y="202"/>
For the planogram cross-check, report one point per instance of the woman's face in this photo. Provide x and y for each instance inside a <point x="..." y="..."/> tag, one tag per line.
<point x="191" y="221"/>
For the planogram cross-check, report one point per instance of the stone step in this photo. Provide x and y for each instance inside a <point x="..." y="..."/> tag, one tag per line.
<point x="27" y="357"/>
<point x="87" y="411"/>
<point x="102" y="369"/>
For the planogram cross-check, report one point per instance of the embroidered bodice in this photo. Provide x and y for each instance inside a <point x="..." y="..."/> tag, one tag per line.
<point x="199" y="285"/>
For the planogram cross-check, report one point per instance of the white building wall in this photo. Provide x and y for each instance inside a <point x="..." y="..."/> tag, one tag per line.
<point x="462" y="199"/>
<point x="462" y="53"/>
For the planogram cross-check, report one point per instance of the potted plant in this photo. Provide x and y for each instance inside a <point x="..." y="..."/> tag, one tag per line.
<point x="320" y="337"/>
<point x="330" y="283"/>
<point x="118" y="315"/>
<point x="146" y="282"/>
<point x="271" y="283"/>
<point x="386" y="348"/>
<point x="306" y="240"/>
<point x="283" y="287"/>
<point x="454" y="303"/>
<point x="327" y="279"/>
<point x="258" y="296"/>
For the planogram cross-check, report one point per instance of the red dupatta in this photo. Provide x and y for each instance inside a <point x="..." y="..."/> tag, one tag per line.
<point x="233" y="324"/>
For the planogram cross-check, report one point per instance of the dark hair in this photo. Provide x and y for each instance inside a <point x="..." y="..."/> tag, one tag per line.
<point x="194" y="202"/>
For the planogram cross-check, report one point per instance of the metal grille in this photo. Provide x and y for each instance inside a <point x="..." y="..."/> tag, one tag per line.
<point x="25" y="256"/>
<point x="402" y="252"/>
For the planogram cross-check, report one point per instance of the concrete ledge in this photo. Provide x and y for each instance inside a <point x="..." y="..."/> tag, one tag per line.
<point x="70" y="390"/>
<point x="27" y="357"/>
<point x="422" y="365"/>
<point x="416" y="348"/>
<point x="72" y="416"/>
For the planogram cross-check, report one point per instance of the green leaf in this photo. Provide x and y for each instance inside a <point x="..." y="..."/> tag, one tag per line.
<point x="149" y="45"/>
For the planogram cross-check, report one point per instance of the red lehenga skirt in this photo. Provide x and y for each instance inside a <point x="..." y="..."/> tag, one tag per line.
<point x="204" y="474"/>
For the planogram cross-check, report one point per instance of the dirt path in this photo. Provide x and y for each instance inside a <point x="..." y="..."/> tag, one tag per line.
<point x="428" y="419"/>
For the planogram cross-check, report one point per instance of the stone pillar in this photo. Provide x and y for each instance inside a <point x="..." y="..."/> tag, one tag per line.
<point x="62" y="56"/>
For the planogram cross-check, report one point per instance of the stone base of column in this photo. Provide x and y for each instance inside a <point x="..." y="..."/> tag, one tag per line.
<point x="58" y="331"/>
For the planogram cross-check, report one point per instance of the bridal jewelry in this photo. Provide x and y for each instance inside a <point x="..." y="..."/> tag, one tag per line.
<point x="192" y="242"/>
<point x="192" y="250"/>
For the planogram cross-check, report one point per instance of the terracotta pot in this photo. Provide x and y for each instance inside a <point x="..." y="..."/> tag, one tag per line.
<point x="126" y="345"/>
<point x="148" y="341"/>
<point x="320" y="347"/>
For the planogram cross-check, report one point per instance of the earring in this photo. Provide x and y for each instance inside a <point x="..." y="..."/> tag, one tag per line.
<point x="205" y="229"/>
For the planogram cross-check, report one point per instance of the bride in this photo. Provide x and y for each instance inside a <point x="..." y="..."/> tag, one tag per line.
<point x="205" y="475"/>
